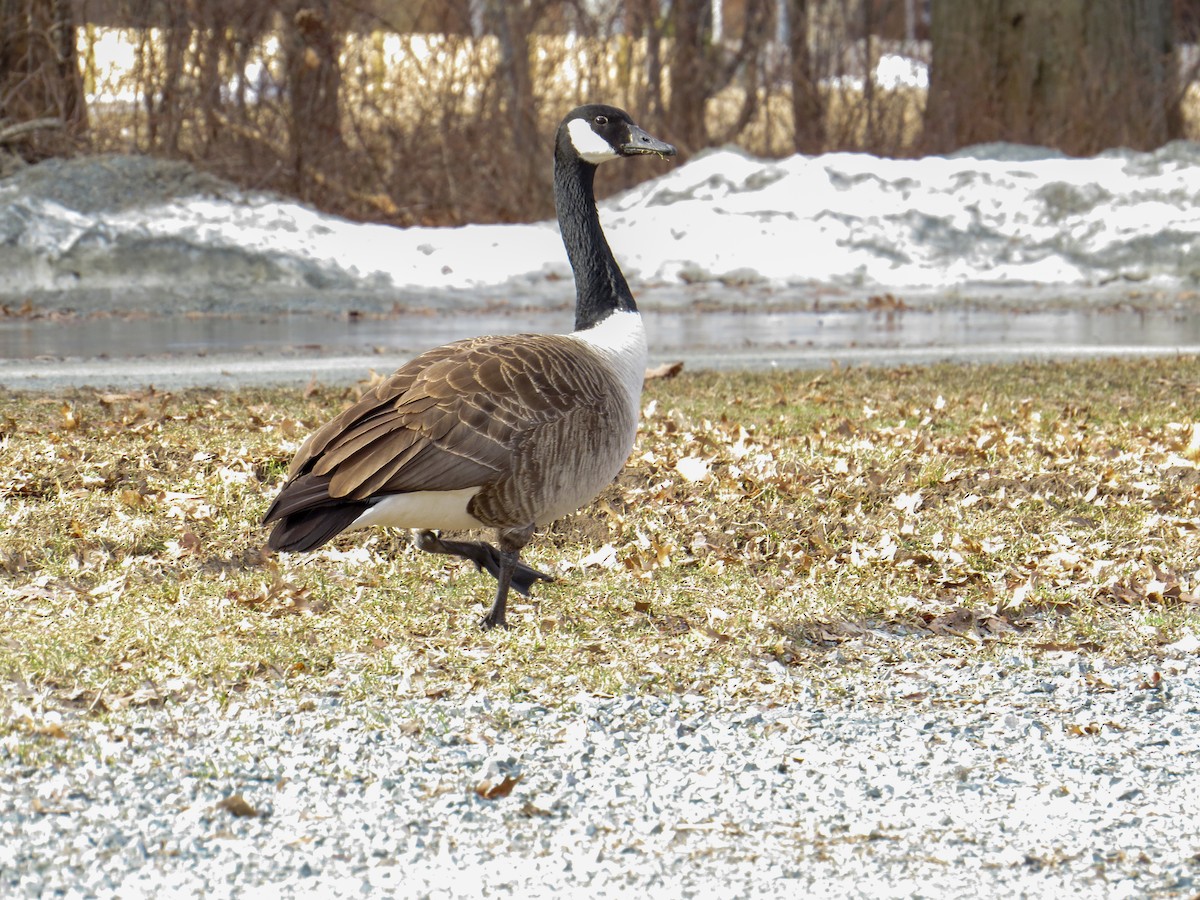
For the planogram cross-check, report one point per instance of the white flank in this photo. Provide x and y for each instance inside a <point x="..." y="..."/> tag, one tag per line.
<point x="621" y="339"/>
<point x="589" y="145"/>
<point x="422" y="509"/>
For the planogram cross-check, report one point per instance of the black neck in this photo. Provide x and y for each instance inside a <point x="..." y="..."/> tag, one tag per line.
<point x="600" y="287"/>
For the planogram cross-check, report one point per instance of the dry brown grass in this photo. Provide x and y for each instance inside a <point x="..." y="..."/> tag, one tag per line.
<point x="426" y="137"/>
<point x="788" y="523"/>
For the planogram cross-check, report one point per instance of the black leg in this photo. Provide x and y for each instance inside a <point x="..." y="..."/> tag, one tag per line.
<point x="511" y="542"/>
<point x="503" y="563"/>
<point x="496" y="615"/>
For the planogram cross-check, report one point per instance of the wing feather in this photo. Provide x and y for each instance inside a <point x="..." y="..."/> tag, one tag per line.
<point x="452" y="418"/>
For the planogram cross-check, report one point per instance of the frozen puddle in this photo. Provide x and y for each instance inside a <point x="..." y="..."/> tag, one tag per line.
<point x="173" y="352"/>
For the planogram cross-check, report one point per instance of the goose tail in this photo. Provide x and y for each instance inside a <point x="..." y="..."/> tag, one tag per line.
<point x="307" y="517"/>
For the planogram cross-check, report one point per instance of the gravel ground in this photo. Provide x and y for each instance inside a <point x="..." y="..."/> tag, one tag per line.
<point x="1026" y="776"/>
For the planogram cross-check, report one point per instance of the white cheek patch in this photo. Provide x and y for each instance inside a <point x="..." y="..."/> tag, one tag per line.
<point x="589" y="145"/>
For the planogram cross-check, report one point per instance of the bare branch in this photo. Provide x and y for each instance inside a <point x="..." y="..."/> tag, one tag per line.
<point x="10" y="133"/>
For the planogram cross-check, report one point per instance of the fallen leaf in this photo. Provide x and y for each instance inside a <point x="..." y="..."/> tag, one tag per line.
<point x="1193" y="448"/>
<point x="529" y="809"/>
<point x="237" y="805"/>
<point x="692" y="468"/>
<point x="666" y="370"/>
<point x="497" y="790"/>
<point x="189" y="542"/>
<point x="959" y="622"/>
<point x="604" y="558"/>
<point x="49" y="729"/>
<point x="130" y="497"/>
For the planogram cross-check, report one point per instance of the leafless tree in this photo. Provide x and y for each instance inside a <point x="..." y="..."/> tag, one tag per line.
<point x="1080" y="75"/>
<point x="39" y="77"/>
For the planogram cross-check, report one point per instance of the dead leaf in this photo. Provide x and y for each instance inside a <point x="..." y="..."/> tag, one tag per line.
<point x="1192" y="451"/>
<point x="237" y="805"/>
<point x="692" y="468"/>
<point x="189" y="542"/>
<point x="130" y="497"/>
<point x="497" y="790"/>
<point x="604" y="558"/>
<point x="92" y="700"/>
<point x="372" y="381"/>
<point x="671" y="624"/>
<point x="997" y="625"/>
<point x="529" y="809"/>
<point x="146" y="695"/>
<point x="666" y="370"/>
<point x="49" y="729"/>
<point x="960" y="622"/>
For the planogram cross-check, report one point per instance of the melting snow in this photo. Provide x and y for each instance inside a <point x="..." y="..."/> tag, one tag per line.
<point x="994" y="215"/>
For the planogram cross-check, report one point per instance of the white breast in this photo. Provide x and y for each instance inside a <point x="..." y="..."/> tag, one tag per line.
<point x="620" y="338"/>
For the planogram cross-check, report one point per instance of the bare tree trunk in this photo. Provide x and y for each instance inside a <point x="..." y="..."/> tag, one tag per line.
<point x="690" y="74"/>
<point x="701" y="67"/>
<point x="746" y="64"/>
<point x="808" y="109"/>
<point x="1079" y="75"/>
<point x="868" y="24"/>
<point x="211" y="47"/>
<point x="519" y="112"/>
<point x="311" y="47"/>
<point x="645" y="22"/>
<point x="39" y="74"/>
<point x="166" y="117"/>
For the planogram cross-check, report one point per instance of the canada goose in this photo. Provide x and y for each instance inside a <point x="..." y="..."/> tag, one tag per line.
<point x="505" y="432"/>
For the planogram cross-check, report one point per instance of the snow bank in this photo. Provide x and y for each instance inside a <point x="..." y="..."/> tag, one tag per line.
<point x="995" y="215"/>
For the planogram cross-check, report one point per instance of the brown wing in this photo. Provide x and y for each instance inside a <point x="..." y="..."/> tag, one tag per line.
<point x="452" y="418"/>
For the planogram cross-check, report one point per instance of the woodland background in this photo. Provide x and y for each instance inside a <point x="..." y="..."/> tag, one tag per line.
<point x="415" y="111"/>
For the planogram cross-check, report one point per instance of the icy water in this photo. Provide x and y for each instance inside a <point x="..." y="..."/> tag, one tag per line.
<point x="178" y="351"/>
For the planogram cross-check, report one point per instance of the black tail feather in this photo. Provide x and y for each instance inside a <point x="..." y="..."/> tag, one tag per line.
<point x="313" y="528"/>
<point x="307" y="517"/>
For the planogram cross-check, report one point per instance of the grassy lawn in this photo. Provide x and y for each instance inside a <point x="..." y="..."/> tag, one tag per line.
<point x="826" y="524"/>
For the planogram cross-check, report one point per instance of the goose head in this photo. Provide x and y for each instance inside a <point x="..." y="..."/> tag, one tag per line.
<point x="597" y="133"/>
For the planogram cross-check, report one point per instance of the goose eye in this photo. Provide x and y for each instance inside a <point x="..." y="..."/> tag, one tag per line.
<point x="601" y="120"/>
